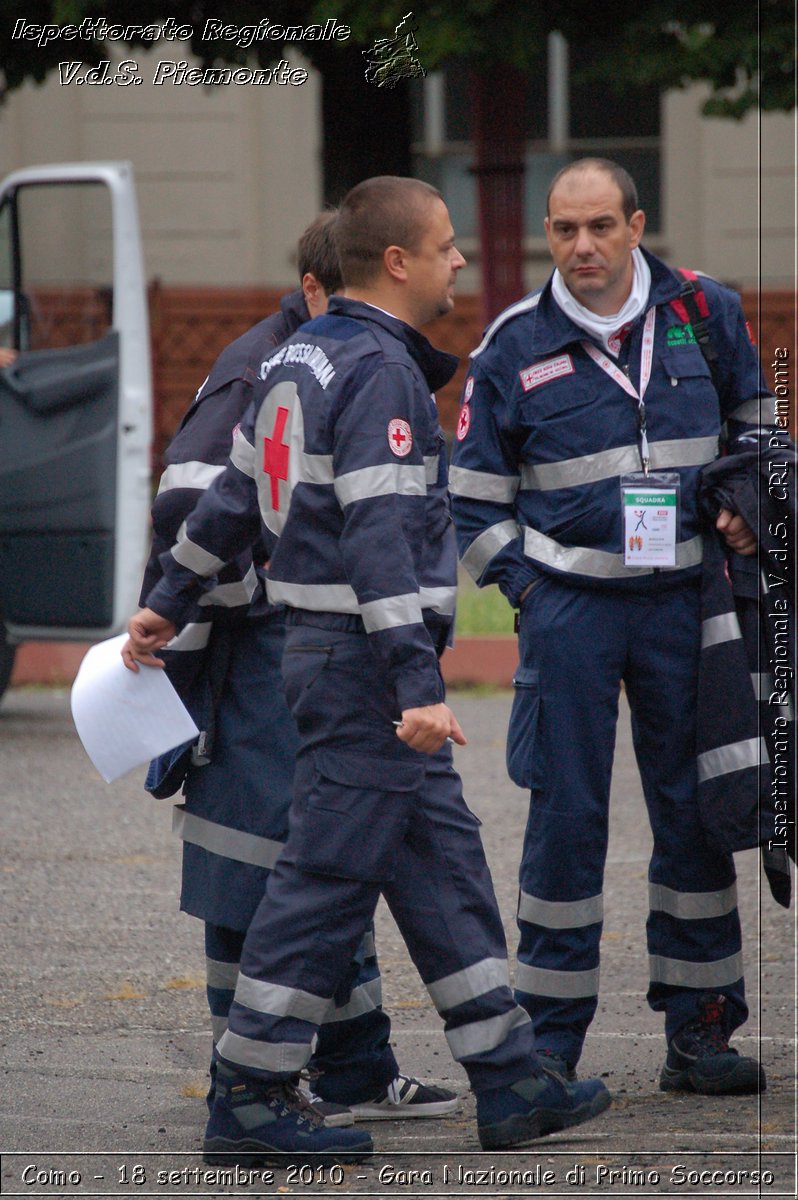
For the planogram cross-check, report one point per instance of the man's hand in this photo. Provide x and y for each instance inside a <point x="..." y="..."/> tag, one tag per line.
<point x="426" y="729"/>
<point x="739" y="536"/>
<point x="147" y="632"/>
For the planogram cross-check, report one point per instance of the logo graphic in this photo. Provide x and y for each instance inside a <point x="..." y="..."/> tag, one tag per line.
<point x="681" y="335"/>
<point x="392" y="59"/>
<point x="464" y="422"/>
<point x="469" y="389"/>
<point x="400" y="437"/>
<point x="275" y="456"/>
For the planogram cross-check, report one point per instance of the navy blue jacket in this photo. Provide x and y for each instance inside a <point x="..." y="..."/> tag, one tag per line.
<point x="545" y="434"/>
<point x="340" y="464"/>
<point x="196" y="455"/>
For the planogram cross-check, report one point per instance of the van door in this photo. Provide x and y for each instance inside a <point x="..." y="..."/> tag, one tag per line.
<point x="75" y="404"/>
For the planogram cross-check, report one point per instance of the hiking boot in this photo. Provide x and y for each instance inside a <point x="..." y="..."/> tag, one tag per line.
<point x="701" y="1060"/>
<point x="406" y="1097"/>
<point x="555" y="1062"/>
<point x="535" y="1106"/>
<point x="253" y="1123"/>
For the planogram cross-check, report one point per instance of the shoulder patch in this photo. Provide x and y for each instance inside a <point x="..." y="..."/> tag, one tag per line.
<point x="400" y="437"/>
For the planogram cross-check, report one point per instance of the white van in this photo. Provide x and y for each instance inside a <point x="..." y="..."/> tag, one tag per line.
<point x="75" y="405"/>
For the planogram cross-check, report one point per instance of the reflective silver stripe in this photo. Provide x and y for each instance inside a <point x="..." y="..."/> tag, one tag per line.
<point x="440" y="599"/>
<point x="683" y="452"/>
<point x="387" y="479"/>
<point x="480" y="485"/>
<point x="723" y="628"/>
<point x="190" y="555"/>
<point x="763" y="684"/>
<point x="220" y="839"/>
<point x="391" y="612"/>
<point x="571" y="472"/>
<point x="600" y="564"/>
<point x="222" y="975"/>
<point x="193" y="636"/>
<point x="679" y="973"/>
<point x="520" y="306"/>
<point x="737" y="756"/>
<point x="242" y="455"/>
<point x="198" y="475"/>
<point x="363" y="999"/>
<point x="218" y="1027"/>
<point x="571" y="985"/>
<point x="267" y="1056"/>
<point x="276" y="1000"/>
<point x="473" y="981"/>
<point x="314" y="468"/>
<point x="480" y="1037"/>
<point x="692" y="906"/>
<point x="561" y="914"/>
<point x="316" y="597"/>
<point x="232" y="595"/>
<point x="752" y="412"/>
<point x="489" y="543"/>
<point x="369" y="945"/>
<point x="432" y="463"/>
<point x="590" y="468"/>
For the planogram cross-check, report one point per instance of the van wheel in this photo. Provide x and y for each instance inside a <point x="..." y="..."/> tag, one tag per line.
<point x="7" y="652"/>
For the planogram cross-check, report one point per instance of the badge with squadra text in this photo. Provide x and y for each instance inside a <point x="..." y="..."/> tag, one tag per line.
<point x="650" y="505"/>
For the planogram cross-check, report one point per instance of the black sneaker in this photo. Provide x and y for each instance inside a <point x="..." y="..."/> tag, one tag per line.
<point x="336" y="1116"/>
<point x="406" y="1098"/>
<point x="253" y="1123"/>
<point x="536" y="1106"/>
<point x="700" y="1059"/>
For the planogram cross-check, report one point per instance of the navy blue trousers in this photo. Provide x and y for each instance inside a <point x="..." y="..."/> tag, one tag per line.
<point x="234" y="824"/>
<point x="370" y="817"/>
<point x="577" y="646"/>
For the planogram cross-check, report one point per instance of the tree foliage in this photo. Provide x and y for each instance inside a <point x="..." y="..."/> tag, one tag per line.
<point x="743" y="50"/>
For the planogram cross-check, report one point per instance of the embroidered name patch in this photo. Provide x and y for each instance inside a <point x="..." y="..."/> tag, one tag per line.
<point x="552" y="368"/>
<point x="400" y="437"/>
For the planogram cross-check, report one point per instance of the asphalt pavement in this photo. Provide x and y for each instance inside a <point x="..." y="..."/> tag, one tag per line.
<point x="105" y="1038"/>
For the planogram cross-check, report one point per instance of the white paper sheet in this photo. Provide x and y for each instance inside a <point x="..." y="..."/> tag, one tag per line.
<point x="124" y="718"/>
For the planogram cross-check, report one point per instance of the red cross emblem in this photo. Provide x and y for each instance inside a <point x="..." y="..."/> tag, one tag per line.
<point x="275" y="456"/>
<point x="464" y="422"/>
<point x="400" y="437"/>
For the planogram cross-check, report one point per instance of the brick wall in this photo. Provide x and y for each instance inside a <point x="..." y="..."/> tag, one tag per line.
<point x="190" y="326"/>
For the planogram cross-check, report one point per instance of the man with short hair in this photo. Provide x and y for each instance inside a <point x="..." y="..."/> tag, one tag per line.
<point x="341" y="460"/>
<point x="237" y="779"/>
<point x="587" y="416"/>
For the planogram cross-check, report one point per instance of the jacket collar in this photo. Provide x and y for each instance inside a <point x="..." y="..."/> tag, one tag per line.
<point x="437" y="366"/>
<point x="553" y="329"/>
<point x="294" y="309"/>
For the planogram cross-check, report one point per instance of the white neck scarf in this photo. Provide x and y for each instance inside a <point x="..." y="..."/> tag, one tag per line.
<point x="607" y="329"/>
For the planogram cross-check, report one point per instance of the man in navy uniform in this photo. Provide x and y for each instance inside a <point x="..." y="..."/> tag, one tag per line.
<point x="237" y="780"/>
<point x="589" y="403"/>
<point x="341" y="459"/>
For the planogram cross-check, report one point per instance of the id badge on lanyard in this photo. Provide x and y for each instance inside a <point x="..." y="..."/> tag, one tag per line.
<point x="649" y="502"/>
<point x="650" y="505"/>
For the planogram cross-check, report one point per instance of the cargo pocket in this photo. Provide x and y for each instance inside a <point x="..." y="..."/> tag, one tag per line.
<point x="523" y="726"/>
<point x="356" y="814"/>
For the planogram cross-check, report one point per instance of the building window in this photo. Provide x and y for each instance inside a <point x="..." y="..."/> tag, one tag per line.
<point x="565" y="120"/>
